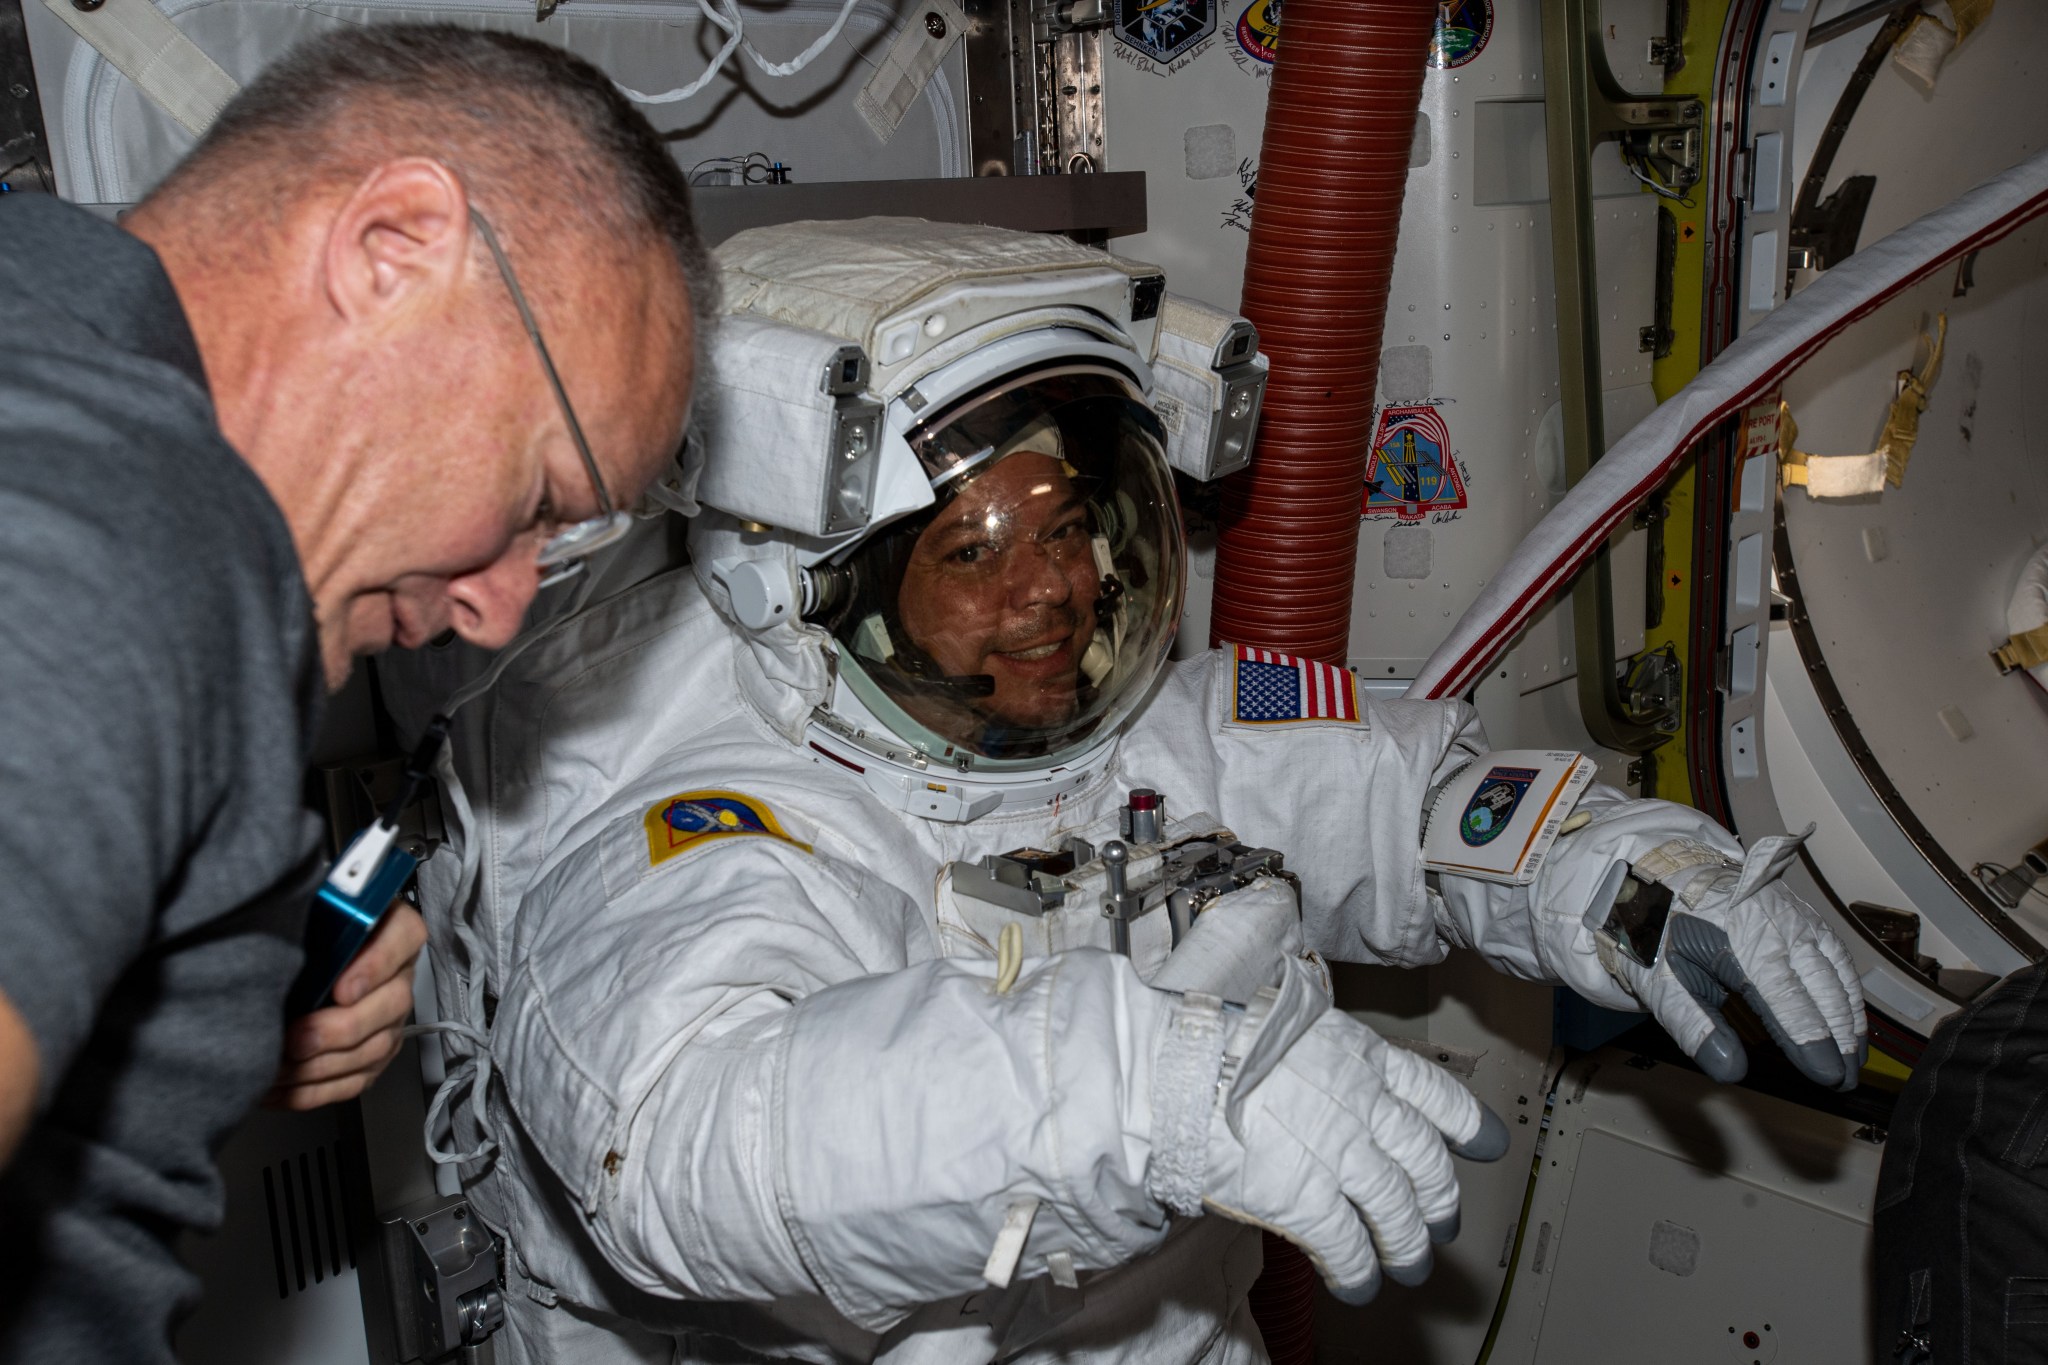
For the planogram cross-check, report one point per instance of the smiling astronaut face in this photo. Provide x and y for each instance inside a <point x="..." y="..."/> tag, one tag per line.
<point x="1035" y="602"/>
<point x="1004" y="584"/>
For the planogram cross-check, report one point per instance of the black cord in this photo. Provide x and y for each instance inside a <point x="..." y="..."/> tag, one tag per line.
<point x="1998" y="870"/>
<point x="745" y="167"/>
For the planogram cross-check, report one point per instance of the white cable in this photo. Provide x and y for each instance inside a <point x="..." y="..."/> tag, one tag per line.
<point x="732" y="25"/>
<point x="809" y="54"/>
<point x="472" y="1072"/>
<point x="730" y="20"/>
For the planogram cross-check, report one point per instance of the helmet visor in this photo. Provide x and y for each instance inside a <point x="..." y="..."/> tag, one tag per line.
<point x="1031" y="608"/>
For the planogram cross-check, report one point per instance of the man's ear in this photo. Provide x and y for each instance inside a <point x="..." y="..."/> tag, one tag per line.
<point x="398" y="242"/>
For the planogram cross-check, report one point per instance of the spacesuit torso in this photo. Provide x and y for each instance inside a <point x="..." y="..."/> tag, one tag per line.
<point x="731" y="869"/>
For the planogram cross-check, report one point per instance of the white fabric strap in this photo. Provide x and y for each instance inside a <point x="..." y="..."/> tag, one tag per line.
<point x="908" y="66"/>
<point x="1183" y="1099"/>
<point x="147" y="48"/>
<point x="1666" y="861"/>
<point x="1612" y="961"/>
<point x="1009" y="1247"/>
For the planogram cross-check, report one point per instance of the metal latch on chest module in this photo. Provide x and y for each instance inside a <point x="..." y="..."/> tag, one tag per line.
<point x="1128" y="878"/>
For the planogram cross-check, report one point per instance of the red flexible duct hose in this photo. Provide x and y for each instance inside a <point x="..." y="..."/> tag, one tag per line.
<point x="1340" y="120"/>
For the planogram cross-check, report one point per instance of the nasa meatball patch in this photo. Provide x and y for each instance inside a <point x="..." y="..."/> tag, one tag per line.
<point x="680" y="823"/>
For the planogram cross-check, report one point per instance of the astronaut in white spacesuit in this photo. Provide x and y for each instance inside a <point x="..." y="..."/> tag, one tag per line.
<point x="882" y="946"/>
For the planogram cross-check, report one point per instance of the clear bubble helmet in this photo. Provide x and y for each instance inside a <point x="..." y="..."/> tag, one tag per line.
<point x="1027" y="612"/>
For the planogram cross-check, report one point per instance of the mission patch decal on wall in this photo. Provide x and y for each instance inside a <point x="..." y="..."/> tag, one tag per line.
<point x="1412" y="470"/>
<point x="1462" y="28"/>
<point x="1258" y="36"/>
<point x="681" y="823"/>
<point x="1164" y="29"/>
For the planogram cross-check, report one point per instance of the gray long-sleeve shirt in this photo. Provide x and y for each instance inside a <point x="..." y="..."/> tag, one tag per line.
<point x="159" y="690"/>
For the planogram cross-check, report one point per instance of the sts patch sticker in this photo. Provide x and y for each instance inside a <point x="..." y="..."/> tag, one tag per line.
<point x="1497" y="817"/>
<point x="1164" y="29"/>
<point x="1412" y="469"/>
<point x="1493" y="805"/>
<point x="1258" y="33"/>
<point x="681" y="823"/>
<point x="1462" y="28"/>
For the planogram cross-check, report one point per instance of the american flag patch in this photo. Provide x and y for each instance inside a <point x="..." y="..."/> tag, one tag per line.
<point x="1278" y="689"/>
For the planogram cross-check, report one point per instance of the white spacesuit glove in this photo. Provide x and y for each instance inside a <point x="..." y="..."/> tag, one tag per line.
<point x="1299" y="1119"/>
<point x="1735" y="927"/>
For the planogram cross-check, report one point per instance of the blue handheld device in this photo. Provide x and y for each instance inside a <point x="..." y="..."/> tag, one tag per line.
<point x="361" y="888"/>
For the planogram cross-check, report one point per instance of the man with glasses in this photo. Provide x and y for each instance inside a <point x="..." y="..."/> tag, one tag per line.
<point x="297" y="409"/>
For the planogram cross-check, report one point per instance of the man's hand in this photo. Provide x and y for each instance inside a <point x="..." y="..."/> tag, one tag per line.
<point x="333" y="1054"/>
<point x="1739" y="929"/>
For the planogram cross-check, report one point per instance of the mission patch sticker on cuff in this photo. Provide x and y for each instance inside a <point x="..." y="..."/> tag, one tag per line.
<point x="1496" y="820"/>
<point x="1279" y="689"/>
<point x="681" y="823"/>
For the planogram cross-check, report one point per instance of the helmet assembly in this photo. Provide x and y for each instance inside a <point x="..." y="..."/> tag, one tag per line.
<point x="940" y="459"/>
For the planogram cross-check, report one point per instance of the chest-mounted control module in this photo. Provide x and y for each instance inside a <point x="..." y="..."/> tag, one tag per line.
<point x="1147" y="870"/>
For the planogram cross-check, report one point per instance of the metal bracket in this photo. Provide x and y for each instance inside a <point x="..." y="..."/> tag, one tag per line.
<point x="1069" y="37"/>
<point x="1583" y="105"/>
<point x="1824" y="231"/>
<point x="1665" y="133"/>
<point x="356" y="792"/>
<point x="24" y="144"/>
<point x="1001" y="87"/>
<point x="444" y="1281"/>
<point x="1669" y="50"/>
<point x="1065" y="16"/>
<point x="1668" y="132"/>
<point x="1651" y="687"/>
<point x="1034" y="72"/>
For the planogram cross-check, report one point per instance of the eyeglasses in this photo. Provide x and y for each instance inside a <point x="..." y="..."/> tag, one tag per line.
<point x="568" y="551"/>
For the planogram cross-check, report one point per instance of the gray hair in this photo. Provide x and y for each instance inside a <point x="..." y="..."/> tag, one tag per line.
<point x="542" y="139"/>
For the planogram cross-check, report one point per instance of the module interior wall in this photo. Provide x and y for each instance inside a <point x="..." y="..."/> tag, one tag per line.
<point x="1471" y="317"/>
<point x="111" y="143"/>
<point x="1907" y="589"/>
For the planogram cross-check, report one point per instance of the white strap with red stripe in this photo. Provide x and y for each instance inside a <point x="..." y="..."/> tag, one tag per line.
<point x="1581" y="522"/>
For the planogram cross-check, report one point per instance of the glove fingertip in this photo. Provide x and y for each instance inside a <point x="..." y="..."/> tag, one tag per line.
<point x="1414" y="1273"/>
<point x="1358" y="1295"/>
<point x="1490" y="1143"/>
<point x="1852" y="1066"/>
<point x="1445" y="1229"/>
<point x="1721" y="1056"/>
<point x="1819" y="1061"/>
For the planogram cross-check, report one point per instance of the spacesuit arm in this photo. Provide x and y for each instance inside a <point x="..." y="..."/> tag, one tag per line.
<point x="1724" y="924"/>
<point x="930" y="1132"/>
<point x="749" y="1100"/>
<point x="1346" y="799"/>
<point x="743" y="1107"/>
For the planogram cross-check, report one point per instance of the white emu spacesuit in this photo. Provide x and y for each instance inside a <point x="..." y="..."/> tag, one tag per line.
<point x="882" y="949"/>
